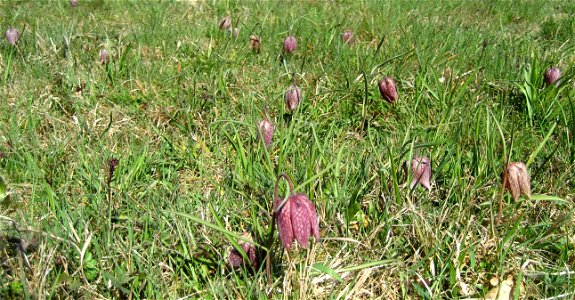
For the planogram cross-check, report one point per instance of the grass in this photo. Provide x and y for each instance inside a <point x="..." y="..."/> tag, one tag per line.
<point x="178" y="106"/>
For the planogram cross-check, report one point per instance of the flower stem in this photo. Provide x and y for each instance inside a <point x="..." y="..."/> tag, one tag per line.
<point x="272" y="227"/>
<point x="503" y="185"/>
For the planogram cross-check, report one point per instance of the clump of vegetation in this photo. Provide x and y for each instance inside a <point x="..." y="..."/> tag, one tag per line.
<point x="135" y="161"/>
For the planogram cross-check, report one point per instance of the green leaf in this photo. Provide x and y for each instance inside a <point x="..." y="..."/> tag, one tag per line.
<point x="215" y="227"/>
<point x="541" y="145"/>
<point x="538" y="197"/>
<point x="327" y="270"/>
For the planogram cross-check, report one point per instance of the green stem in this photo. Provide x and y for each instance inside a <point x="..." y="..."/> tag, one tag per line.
<point x="272" y="227"/>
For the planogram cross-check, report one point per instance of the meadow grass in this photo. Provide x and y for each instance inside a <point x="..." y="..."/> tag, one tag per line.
<point x="178" y="107"/>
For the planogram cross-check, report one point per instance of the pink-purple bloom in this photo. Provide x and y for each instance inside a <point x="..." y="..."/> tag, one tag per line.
<point x="236" y="260"/>
<point x="12" y="35"/>
<point x="518" y="180"/>
<point x="290" y="44"/>
<point x="297" y="218"/>
<point x="266" y="131"/>
<point x="552" y="76"/>
<point x="292" y="97"/>
<point x="347" y="37"/>
<point x="104" y="56"/>
<point x="225" y="23"/>
<point x="255" y="43"/>
<point x="388" y="89"/>
<point x="420" y="172"/>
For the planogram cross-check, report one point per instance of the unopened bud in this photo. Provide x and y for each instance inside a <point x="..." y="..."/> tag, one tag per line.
<point x="12" y="35"/>
<point x="290" y="44"/>
<point x="225" y="23"/>
<point x="388" y="90"/>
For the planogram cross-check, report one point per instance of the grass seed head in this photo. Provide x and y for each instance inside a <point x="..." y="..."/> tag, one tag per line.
<point x="266" y="131"/>
<point x="290" y="44"/>
<point x="12" y="35"/>
<point x="104" y="56"/>
<point x="255" y="43"/>
<point x="421" y="172"/>
<point x="552" y="75"/>
<point x="388" y="89"/>
<point x="225" y="23"/>
<point x="347" y="37"/>
<point x="518" y="180"/>
<point x="292" y="97"/>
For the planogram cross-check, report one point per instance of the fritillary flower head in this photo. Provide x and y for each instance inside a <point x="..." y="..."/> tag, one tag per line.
<point x="517" y="180"/>
<point x="421" y="172"/>
<point x="296" y="216"/>
<point x="236" y="259"/>
<point x="388" y="89"/>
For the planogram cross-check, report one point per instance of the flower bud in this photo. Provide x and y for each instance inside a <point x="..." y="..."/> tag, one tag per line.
<point x="552" y="75"/>
<point x="421" y="172"/>
<point x="518" y="180"/>
<point x="388" y="89"/>
<point x="104" y="56"/>
<point x="225" y="23"/>
<point x="255" y="43"/>
<point x="235" y="33"/>
<point x="12" y="35"/>
<point x="290" y="44"/>
<point x="347" y="37"/>
<point x="266" y="131"/>
<point x="73" y="3"/>
<point x="292" y="97"/>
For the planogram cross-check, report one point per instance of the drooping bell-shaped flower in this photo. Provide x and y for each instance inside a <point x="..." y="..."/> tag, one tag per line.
<point x="12" y="35"/>
<point x="420" y="172"/>
<point x="296" y="217"/>
<point x="552" y="76"/>
<point x="347" y="37"/>
<point x="518" y="180"/>
<point x="255" y="43"/>
<point x="290" y="44"/>
<point x="388" y="89"/>
<point x="236" y="260"/>
<point x="73" y="3"/>
<point x="225" y="23"/>
<point x="266" y="131"/>
<point x="292" y="96"/>
<point x="104" y="56"/>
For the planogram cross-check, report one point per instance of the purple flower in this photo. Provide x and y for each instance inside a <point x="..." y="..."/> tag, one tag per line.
<point x="255" y="43"/>
<point x="388" y="89"/>
<point x="104" y="56"/>
<point x="296" y="218"/>
<point x="347" y="37"/>
<point x="12" y="35"/>
<point x="266" y="131"/>
<point x="290" y="44"/>
<point x="518" y="180"/>
<point x="421" y="172"/>
<point x="225" y="23"/>
<point x="292" y="97"/>
<point x="552" y="75"/>
<point x="236" y="260"/>
<point x="73" y="3"/>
